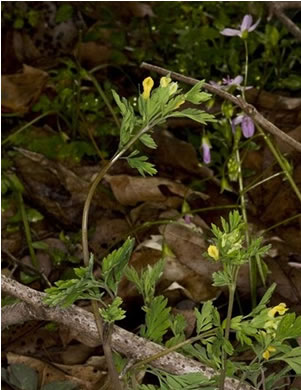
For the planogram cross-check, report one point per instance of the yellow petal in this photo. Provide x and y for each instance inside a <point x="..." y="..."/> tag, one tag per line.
<point x="148" y="84"/>
<point x="213" y="252"/>
<point x="164" y="81"/>
<point x="266" y="354"/>
<point x="281" y="309"/>
<point x="271" y="349"/>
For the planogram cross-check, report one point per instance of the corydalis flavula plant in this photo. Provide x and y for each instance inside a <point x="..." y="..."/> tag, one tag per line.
<point x="155" y="106"/>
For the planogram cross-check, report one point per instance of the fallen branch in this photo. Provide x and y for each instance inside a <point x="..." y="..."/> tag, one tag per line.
<point x="277" y="7"/>
<point x="247" y="108"/>
<point x="82" y="325"/>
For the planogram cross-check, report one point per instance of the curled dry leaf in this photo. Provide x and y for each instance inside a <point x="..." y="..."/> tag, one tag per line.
<point x="20" y="91"/>
<point x="130" y="190"/>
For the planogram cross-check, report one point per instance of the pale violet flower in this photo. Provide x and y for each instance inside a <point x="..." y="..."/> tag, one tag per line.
<point x="206" y="146"/>
<point x="247" y="125"/>
<point x="245" y="27"/>
<point x="227" y="82"/>
<point x="236" y="81"/>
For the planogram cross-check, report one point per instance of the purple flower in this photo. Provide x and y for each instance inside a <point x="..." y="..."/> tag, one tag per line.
<point x="247" y="125"/>
<point x="227" y="83"/>
<point x="206" y="146"/>
<point x="245" y="27"/>
<point x="236" y="81"/>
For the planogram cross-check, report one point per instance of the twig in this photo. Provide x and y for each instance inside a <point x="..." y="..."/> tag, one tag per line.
<point x="19" y="263"/>
<point x="247" y="108"/>
<point x="82" y="323"/>
<point x="276" y="8"/>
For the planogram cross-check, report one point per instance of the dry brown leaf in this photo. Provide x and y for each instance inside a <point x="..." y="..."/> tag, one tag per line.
<point x="180" y="155"/>
<point x="130" y="190"/>
<point x="92" y="54"/>
<point x="20" y="91"/>
<point x="84" y="376"/>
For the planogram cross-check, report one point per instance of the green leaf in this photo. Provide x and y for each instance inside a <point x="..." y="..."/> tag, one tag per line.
<point x="146" y="281"/>
<point x="157" y="319"/>
<point x="119" y="103"/>
<point x="66" y="292"/>
<point x="127" y="126"/>
<point x="113" y="312"/>
<point x="204" y="319"/>
<point x="293" y="359"/>
<point x="148" y="141"/>
<point x="21" y="377"/>
<point x="264" y="300"/>
<point x="195" y="95"/>
<point x="114" y="264"/>
<point x="142" y="165"/>
<point x="194" y="114"/>
<point x="289" y="327"/>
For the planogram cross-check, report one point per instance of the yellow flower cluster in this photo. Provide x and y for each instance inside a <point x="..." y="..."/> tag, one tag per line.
<point x="267" y="353"/>
<point x="213" y="252"/>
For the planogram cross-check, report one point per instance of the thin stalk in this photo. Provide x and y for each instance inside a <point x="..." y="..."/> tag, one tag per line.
<point x="166" y="351"/>
<point x="33" y="257"/>
<point x="252" y="186"/>
<point x="227" y="333"/>
<point x="94" y="185"/>
<point x="105" y="99"/>
<point x="252" y="264"/>
<point x="280" y="161"/>
<point x="281" y="223"/>
<point x="8" y="139"/>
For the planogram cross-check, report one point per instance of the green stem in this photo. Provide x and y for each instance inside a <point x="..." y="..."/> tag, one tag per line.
<point x="232" y="288"/>
<point x="94" y="185"/>
<point x="252" y="186"/>
<point x="280" y="161"/>
<point x="11" y="136"/>
<point x="252" y="264"/>
<point x="105" y="99"/>
<point x="166" y="351"/>
<point x="33" y="257"/>
<point x="281" y="223"/>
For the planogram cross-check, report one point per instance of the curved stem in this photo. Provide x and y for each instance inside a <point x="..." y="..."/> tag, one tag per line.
<point x="94" y="185"/>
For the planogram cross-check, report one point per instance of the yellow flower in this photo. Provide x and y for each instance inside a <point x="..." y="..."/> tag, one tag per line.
<point x="148" y="84"/>
<point x="281" y="309"/>
<point x="164" y="81"/>
<point x="213" y="252"/>
<point x="267" y="353"/>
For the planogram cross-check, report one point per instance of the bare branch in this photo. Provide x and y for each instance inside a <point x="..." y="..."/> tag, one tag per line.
<point x="276" y="8"/>
<point x="82" y="325"/>
<point x="247" y="108"/>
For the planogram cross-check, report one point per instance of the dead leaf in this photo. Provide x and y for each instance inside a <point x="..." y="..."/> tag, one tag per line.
<point x="20" y="91"/>
<point x="92" y="54"/>
<point x="130" y="190"/>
